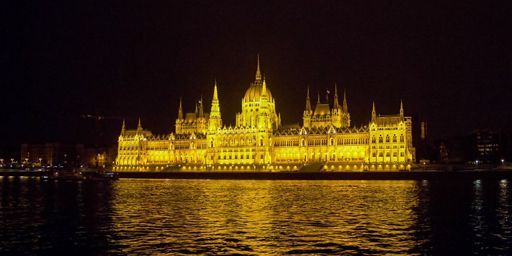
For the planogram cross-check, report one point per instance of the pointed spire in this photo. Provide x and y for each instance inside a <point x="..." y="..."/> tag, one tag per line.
<point x="215" y="96"/>
<point x="139" y="125"/>
<point x="180" y="111"/>
<point x="264" y="88"/>
<point x="345" y="105"/>
<point x="258" y="72"/>
<point x="201" y="110"/>
<point x="401" y="108"/>
<point x="123" y="127"/>
<point x="374" y="113"/>
<point x="336" y="103"/>
<point x="308" y="102"/>
<point x="215" y="120"/>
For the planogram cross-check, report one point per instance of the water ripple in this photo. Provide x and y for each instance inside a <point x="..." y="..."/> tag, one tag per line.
<point x="212" y="217"/>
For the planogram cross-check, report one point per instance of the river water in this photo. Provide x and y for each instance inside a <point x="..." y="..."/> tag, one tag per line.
<point x="140" y="217"/>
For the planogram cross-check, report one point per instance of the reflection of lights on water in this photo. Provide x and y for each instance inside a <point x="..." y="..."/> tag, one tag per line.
<point x="477" y="183"/>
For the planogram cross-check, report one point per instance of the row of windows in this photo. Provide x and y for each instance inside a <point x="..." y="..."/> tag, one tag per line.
<point x="236" y="157"/>
<point x="381" y="139"/>
<point x="388" y="147"/>
<point x="286" y="143"/>
<point x="388" y="154"/>
<point x="317" y="142"/>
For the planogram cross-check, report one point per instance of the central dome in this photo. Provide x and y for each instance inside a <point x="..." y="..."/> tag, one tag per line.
<point x="258" y="88"/>
<point x="255" y="92"/>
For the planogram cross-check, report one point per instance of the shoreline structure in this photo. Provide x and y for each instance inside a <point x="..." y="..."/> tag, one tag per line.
<point x="491" y="174"/>
<point x="258" y="140"/>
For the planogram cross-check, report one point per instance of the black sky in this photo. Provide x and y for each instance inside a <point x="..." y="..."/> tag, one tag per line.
<point x="450" y="61"/>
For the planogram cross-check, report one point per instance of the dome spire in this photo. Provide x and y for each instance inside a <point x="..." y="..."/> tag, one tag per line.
<point x="139" y="125"/>
<point x="258" y="72"/>
<point x="264" y="88"/>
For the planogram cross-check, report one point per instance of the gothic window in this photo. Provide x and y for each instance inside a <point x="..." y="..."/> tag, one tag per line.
<point x="380" y="139"/>
<point x="401" y="138"/>
<point x="394" y="138"/>
<point x="387" y="138"/>
<point x="373" y="139"/>
<point x="332" y="141"/>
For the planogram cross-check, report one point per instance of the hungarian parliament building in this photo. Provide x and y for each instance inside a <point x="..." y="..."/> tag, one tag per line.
<point x="326" y="140"/>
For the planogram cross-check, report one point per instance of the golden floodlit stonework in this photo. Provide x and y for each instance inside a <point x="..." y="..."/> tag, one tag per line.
<point x="325" y="141"/>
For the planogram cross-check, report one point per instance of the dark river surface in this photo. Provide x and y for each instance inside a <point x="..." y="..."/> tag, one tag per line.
<point x="140" y="217"/>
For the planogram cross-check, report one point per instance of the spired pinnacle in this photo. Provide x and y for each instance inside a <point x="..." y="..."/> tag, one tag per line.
<point x="374" y="113"/>
<point x="258" y="72"/>
<point x="201" y="111"/>
<point x="180" y="111"/>
<point x="308" y="103"/>
<point x="345" y="105"/>
<point x="264" y="88"/>
<point x="335" y="104"/>
<point x="401" y="108"/>
<point x="215" y="96"/>
<point x="139" y="125"/>
<point x="123" y="127"/>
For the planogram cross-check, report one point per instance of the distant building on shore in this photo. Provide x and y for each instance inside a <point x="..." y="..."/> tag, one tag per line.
<point x="258" y="140"/>
<point x="482" y="146"/>
<point x="69" y="155"/>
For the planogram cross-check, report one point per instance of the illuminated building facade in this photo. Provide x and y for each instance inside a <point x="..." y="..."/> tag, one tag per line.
<point x="259" y="141"/>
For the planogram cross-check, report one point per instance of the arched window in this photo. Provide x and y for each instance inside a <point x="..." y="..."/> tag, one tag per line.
<point x="331" y="141"/>
<point x="394" y="138"/>
<point x="380" y="139"/>
<point x="401" y="138"/>
<point x="387" y="138"/>
<point x="373" y="139"/>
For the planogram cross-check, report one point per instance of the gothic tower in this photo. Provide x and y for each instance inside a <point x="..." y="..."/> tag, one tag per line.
<point x="215" y="121"/>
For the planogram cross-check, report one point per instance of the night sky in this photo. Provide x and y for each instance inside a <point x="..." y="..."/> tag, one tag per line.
<point x="451" y="63"/>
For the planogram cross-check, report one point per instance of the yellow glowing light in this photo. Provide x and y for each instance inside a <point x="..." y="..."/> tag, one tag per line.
<point x="258" y="141"/>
